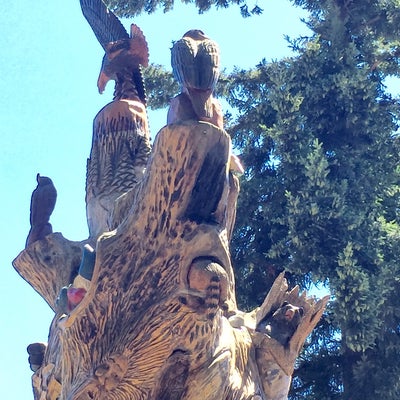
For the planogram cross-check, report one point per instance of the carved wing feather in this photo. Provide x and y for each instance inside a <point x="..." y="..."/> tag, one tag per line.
<point x="182" y="61"/>
<point x="139" y="45"/>
<point x="105" y="25"/>
<point x="208" y="64"/>
<point x="195" y="63"/>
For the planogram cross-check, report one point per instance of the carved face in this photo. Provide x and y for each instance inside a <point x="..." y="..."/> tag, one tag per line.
<point x="123" y="54"/>
<point x="118" y="58"/>
<point x="282" y="324"/>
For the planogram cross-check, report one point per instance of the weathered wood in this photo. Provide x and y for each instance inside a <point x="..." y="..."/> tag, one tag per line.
<point x="120" y="149"/>
<point x="49" y="264"/>
<point x="121" y="137"/>
<point x="159" y="319"/>
<point x="276" y="361"/>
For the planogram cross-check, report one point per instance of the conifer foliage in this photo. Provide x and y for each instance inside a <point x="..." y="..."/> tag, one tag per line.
<point x="318" y="134"/>
<point x="131" y="8"/>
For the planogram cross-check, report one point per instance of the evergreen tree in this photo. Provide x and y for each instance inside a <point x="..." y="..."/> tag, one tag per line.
<point x="319" y="198"/>
<point x="128" y="8"/>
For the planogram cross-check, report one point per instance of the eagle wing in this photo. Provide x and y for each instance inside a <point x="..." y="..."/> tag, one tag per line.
<point x="104" y="23"/>
<point x="139" y="45"/>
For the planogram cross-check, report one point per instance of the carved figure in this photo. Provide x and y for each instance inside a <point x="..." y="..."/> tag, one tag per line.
<point x="207" y="287"/>
<point x="43" y="201"/>
<point x="121" y="138"/>
<point x="36" y="355"/>
<point x="70" y="296"/>
<point x="195" y="64"/>
<point x="124" y="54"/>
<point x="282" y="324"/>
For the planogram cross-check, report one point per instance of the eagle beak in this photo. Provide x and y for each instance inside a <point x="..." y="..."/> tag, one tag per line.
<point x="103" y="77"/>
<point x="102" y="81"/>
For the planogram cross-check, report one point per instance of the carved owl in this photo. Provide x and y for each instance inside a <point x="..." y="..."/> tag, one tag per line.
<point x="195" y="64"/>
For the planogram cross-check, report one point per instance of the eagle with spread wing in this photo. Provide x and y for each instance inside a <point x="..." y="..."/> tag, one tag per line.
<point x="124" y="54"/>
<point x="195" y="64"/>
<point x="121" y="137"/>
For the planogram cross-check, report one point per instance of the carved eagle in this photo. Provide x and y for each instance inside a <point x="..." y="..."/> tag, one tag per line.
<point x="124" y="53"/>
<point x="121" y="137"/>
<point x="195" y="64"/>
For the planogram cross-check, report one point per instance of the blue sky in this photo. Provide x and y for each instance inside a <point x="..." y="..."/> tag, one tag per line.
<point x="49" y="69"/>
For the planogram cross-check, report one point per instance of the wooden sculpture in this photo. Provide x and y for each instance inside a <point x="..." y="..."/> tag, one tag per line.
<point x="121" y="137"/>
<point x="158" y="318"/>
<point x="195" y="64"/>
<point x="43" y="202"/>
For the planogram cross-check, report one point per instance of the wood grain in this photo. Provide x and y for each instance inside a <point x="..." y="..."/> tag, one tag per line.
<point x="159" y="319"/>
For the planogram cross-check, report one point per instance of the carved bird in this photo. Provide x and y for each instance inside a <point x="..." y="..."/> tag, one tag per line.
<point x="43" y="201"/>
<point x="121" y="138"/>
<point x="124" y="54"/>
<point x="195" y="65"/>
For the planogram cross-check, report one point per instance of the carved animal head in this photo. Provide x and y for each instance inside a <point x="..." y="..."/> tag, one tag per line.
<point x="282" y="324"/>
<point x="122" y="51"/>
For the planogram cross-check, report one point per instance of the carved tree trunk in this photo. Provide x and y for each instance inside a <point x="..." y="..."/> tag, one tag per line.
<point x="159" y="319"/>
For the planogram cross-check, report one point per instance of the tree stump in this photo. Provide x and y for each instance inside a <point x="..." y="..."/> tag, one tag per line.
<point x="159" y="319"/>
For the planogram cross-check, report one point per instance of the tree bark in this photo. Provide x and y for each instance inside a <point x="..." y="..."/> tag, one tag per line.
<point x="159" y="319"/>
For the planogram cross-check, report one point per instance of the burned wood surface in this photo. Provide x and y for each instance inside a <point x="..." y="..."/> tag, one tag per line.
<point x="159" y="319"/>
